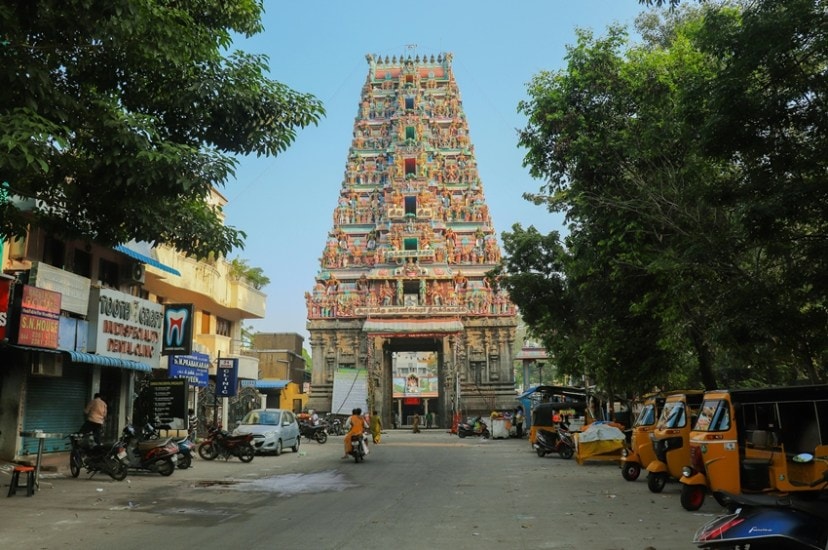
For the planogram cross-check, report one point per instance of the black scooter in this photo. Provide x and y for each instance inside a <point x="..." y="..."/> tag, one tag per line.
<point x="478" y="428"/>
<point x="560" y="442"/>
<point x="766" y="521"/>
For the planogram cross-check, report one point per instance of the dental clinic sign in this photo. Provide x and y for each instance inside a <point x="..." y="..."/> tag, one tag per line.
<point x="125" y="327"/>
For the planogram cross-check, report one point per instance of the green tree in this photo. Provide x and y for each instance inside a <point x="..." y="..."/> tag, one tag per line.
<point x="645" y="148"/>
<point x="119" y="116"/>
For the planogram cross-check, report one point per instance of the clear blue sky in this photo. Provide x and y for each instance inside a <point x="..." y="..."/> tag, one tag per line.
<point x="285" y="203"/>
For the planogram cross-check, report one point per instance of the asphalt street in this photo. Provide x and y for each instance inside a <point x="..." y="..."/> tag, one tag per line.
<point x="427" y="490"/>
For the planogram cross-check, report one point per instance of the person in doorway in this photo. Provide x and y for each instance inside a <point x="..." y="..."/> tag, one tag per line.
<point x="519" y="422"/>
<point x="95" y="412"/>
<point x="376" y="427"/>
<point x="415" y="423"/>
<point x="357" y="427"/>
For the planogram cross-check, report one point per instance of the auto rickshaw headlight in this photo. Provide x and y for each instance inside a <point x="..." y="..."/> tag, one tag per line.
<point x="687" y="471"/>
<point x="625" y="453"/>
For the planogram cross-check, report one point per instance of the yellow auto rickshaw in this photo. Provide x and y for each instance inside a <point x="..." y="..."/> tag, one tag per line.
<point x="671" y="438"/>
<point x="640" y="452"/>
<point x="745" y="441"/>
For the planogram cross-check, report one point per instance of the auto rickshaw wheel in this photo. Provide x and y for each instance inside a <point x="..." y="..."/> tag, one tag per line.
<point x="656" y="482"/>
<point x="630" y="470"/>
<point x="692" y="497"/>
<point x="541" y="452"/>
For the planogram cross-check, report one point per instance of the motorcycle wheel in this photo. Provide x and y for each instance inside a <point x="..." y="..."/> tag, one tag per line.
<point x="207" y="451"/>
<point x="566" y="452"/>
<point x="692" y="497"/>
<point x="185" y="461"/>
<point x="75" y="463"/>
<point x="321" y="437"/>
<point x="487" y="434"/>
<point x="630" y="470"/>
<point x="166" y="467"/>
<point x="461" y="434"/>
<point x="656" y="482"/>
<point x="246" y="452"/>
<point x="541" y="452"/>
<point x="117" y="469"/>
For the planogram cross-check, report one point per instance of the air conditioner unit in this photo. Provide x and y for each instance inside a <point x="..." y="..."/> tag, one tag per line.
<point x="48" y="364"/>
<point x="135" y="273"/>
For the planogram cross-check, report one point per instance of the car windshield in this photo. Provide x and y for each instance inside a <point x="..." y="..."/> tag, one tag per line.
<point x="268" y="418"/>
<point x="672" y="416"/>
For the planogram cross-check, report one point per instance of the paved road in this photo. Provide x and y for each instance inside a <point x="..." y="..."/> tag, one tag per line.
<point x="426" y="491"/>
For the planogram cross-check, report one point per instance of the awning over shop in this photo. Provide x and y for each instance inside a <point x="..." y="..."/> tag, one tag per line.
<point x="94" y="359"/>
<point x="265" y="384"/>
<point x="145" y="258"/>
<point x="413" y="326"/>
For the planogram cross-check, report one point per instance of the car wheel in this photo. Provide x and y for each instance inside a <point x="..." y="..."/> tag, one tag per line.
<point x="295" y="447"/>
<point x="278" y="449"/>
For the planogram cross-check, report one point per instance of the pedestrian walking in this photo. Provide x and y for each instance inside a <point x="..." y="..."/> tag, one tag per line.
<point x="415" y="424"/>
<point x="376" y="427"/>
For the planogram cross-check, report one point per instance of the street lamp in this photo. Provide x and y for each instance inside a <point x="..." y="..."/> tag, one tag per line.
<point x="540" y="374"/>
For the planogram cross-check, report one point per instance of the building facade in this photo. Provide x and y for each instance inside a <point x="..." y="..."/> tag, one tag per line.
<point x="404" y="267"/>
<point x="79" y="319"/>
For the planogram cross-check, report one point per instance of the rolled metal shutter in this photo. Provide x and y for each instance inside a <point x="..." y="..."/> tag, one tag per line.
<point x="55" y="405"/>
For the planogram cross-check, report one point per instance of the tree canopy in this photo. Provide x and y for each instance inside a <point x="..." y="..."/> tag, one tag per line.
<point x="691" y="170"/>
<point x="119" y="116"/>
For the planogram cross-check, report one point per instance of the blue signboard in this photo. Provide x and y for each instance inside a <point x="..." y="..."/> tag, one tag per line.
<point x="227" y="373"/>
<point x="194" y="367"/>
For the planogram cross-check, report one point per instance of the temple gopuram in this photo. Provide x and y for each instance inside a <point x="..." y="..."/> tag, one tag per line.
<point x="402" y="318"/>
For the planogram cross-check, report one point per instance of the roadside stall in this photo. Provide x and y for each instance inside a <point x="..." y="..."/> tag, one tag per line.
<point x="501" y="424"/>
<point x="599" y="441"/>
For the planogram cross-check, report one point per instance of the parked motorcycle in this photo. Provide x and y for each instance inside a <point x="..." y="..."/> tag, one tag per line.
<point x="760" y="521"/>
<point x="554" y="442"/>
<point x="94" y="458"/>
<point x="316" y="433"/>
<point x="186" y="446"/>
<point x="335" y="426"/>
<point x="359" y="447"/>
<point x="220" y="443"/>
<point x="476" y="428"/>
<point x="154" y="455"/>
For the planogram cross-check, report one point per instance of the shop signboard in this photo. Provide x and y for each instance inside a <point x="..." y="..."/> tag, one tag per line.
<point x="74" y="289"/>
<point x="169" y="402"/>
<point x="5" y="295"/>
<point x="125" y="327"/>
<point x="39" y="318"/>
<point x="195" y="368"/>
<point x="227" y="374"/>
<point x="178" y="329"/>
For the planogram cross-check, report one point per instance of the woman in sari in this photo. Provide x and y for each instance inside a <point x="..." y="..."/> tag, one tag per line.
<point x="357" y="427"/>
<point x="376" y="427"/>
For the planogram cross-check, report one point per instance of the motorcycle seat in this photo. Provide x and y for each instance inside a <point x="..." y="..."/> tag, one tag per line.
<point x="152" y="443"/>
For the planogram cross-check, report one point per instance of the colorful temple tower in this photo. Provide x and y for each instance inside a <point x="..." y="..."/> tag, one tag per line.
<point x="402" y="317"/>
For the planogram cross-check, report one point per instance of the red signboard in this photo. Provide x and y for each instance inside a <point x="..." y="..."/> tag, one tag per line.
<point x="39" y="318"/>
<point x="5" y="291"/>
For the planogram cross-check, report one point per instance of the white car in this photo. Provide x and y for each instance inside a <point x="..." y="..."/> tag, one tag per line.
<point x="272" y="429"/>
